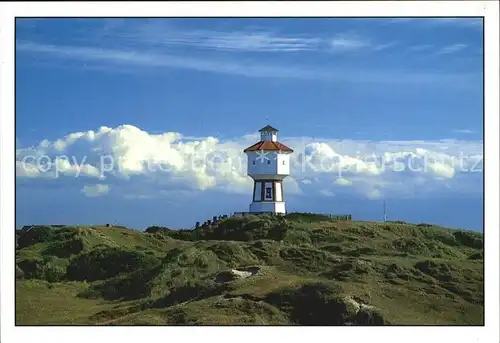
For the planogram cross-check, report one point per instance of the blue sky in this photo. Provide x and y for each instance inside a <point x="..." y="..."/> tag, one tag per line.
<point x="167" y="91"/>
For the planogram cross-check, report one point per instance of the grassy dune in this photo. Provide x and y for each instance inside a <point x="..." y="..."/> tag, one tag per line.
<point x="302" y="269"/>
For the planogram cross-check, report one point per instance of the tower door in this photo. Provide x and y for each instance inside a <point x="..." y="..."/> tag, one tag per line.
<point x="269" y="191"/>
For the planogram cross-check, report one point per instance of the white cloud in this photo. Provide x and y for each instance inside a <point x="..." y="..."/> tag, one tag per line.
<point x="326" y="193"/>
<point x="162" y="34"/>
<point x="385" y="46"/>
<point x="143" y="58"/>
<point x="471" y="22"/>
<point x="291" y="186"/>
<point x="374" y="194"/>
<point x="165" y="34"/>
<point x="137" y="196"/>
<point x="65" y="167"/>
<point x="420" y="47"/>
<point x="343" y="182"/>
<point x="443" y="50"/>
<point x="322" y="158"/>
<point x="241" y="41"/>
<point x="465" y="131"/>
<point x="442" y="170"/>
<point x="29" y="170"/>
<point x="466" y="22"/>
<point x="450" y="49"/>
<point x="128" y="157"/>
<point x="95" y="190"/>
<point x="347" y="42"/>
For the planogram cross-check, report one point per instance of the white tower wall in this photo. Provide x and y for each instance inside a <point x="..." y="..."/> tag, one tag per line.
<point x="268" y="207"/>
<point x="268" y="164"/>
<point x="283" y="164"/>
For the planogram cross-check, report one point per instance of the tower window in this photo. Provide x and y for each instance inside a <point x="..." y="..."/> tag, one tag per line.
<point x="268" y="162"/>
<point x="253" y="162"/>
<point x="283" y="162"/>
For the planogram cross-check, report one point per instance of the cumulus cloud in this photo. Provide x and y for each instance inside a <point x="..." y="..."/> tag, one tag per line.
<point x="170" y="160"/>
<point x="343" y="182"/>
<point x="344" y="42"/>
<point x="442" y="170"/>
<point x="291" y="185"/>
<point x="327" y="193"/>
<point x="126" y="60"/>
<point x="95" y="190"/>
<point x="464" y="131"/>
<point x="374" y="194"/>
<point x="451" y="49"/>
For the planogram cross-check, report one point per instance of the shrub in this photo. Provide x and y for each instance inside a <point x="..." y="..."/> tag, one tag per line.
<point x="307" y="217"/>
<point x="440" y="250"/>
<point x="440" y="235"/>
<point x="245" y="229"/>
<point x="30" y="268"/>
<point x="36" y="235"/>
<point x="394" y="271"/>
<point x="410" y="246"/>
<point x="19" y="273"/>
<point x="49" y="269"/>
<point x="469" y="239"/>
<point x="323" y="304"/>
<point x="361" y="251"/>
<point x="158" y="229"/>
<point x="476" y="256"/>
<point x="104" y="263"/>
<point x="133" y="286"/>
<point x="309" y="259"/>
<point x="312" y="304"/>
<point x="266" y="250"/>
<point x="54" y="273"/>
<point x="297" y="237"/>
<point x="191" y="290"/>
<point x="234" y="254"/>
<point x="65" y="248"/>
<point x="349" y="269"/>
<point x="438" y="270"/>
<point x="369" y="317"/>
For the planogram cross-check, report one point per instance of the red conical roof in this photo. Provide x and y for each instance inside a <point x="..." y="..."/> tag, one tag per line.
<point x="269" y="146"/>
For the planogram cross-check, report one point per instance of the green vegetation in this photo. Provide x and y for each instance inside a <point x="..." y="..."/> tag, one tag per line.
<point x="301" y="269"/>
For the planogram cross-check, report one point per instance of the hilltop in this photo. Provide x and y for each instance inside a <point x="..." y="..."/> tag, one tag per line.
<point x="301" y="269"/>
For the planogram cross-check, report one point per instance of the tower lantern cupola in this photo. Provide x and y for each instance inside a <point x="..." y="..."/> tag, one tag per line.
<point x="269" y="133"/>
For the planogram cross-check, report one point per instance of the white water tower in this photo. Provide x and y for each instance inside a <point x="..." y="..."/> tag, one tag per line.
<point x="268" y="165"/>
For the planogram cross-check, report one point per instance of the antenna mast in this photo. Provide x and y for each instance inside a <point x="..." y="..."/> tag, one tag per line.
<point x="385" y="212"/>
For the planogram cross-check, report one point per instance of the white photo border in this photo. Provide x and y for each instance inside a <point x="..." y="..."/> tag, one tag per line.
<point x="8" y="12"/>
